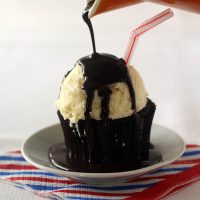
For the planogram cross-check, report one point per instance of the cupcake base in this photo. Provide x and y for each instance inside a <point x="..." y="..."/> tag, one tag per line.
<point x="122" y="145"/>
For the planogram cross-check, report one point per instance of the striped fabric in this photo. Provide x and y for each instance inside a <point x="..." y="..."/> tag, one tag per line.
<point x="156" y="185"/>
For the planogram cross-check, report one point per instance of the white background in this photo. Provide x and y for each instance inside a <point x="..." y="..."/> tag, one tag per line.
<point x="40" y="40"/>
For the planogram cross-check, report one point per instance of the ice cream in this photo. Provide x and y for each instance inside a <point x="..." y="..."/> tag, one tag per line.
<point x="72" y="98"/>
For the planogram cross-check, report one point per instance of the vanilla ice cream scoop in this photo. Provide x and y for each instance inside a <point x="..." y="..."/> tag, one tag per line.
<point x="72" y="98"/>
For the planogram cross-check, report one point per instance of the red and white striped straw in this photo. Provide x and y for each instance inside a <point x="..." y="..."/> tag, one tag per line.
<point x="144" y="27"/>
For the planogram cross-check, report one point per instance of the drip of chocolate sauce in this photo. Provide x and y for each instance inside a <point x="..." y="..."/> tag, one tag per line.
<point x="89" y="24"/>
<point x="99" y="71"/>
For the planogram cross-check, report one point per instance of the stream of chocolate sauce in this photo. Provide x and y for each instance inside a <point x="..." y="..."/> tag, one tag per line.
<point x="99" y="70"/>
<point x="89" y="24"/>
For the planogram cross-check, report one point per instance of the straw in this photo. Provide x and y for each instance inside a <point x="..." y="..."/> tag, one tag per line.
<point x="144" y="27"/>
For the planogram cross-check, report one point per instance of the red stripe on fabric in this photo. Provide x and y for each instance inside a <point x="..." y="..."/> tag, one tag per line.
<point x="185" y="162"/>
<point x="18" y="167"/>
<point x="17" y="151"/>
<point x="48" y="180"/>
<point x="192" y="145"/>
<point x="166" y="186"/>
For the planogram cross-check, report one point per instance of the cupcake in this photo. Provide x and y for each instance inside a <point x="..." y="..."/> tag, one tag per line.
<point x="105" y="115"/>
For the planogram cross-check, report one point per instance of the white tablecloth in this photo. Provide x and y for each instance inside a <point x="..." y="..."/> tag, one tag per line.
<point x="40" y="41"/>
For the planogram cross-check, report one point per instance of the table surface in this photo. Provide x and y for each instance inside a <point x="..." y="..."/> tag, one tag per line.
<point x="41" y="40"/>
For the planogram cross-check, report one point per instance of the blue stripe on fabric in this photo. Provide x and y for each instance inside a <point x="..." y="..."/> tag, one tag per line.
<point x="191" y="153"/>
<point x="170" y="169"/>
<point x="113" y="188"/>
<point x="43" y="187"/>
<point x="84" y="198"/>
<point x="28" y="173"/>
<point x="9" y="158"/>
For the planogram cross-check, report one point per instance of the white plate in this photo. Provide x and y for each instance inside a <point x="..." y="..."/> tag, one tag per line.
<point x="35" y="150"/>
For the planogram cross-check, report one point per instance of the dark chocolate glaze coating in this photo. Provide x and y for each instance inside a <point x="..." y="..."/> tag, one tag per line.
<point x="100" y="70"/>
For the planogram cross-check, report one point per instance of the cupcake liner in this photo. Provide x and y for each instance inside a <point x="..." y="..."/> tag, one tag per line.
<point x="120" y="147"/>
<point x="147" y="114"/>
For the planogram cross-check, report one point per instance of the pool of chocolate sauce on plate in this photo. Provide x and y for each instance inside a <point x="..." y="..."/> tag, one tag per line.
<point x="59" y="159"/>
<point x="99" y="71"/>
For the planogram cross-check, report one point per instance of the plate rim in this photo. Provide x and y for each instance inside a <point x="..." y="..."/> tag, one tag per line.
<point x="98" y="175"/>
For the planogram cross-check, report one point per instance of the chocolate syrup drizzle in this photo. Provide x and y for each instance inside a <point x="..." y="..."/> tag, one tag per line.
<point x="99" y="71"/>
<point x="89" y="24"/>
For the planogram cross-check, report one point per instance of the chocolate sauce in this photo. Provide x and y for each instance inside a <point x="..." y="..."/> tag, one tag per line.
<point x="89" y="24"/>
<point x="105" y="145"/>
<point x="58" y="155"/>
<point x="99" y="71"/>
